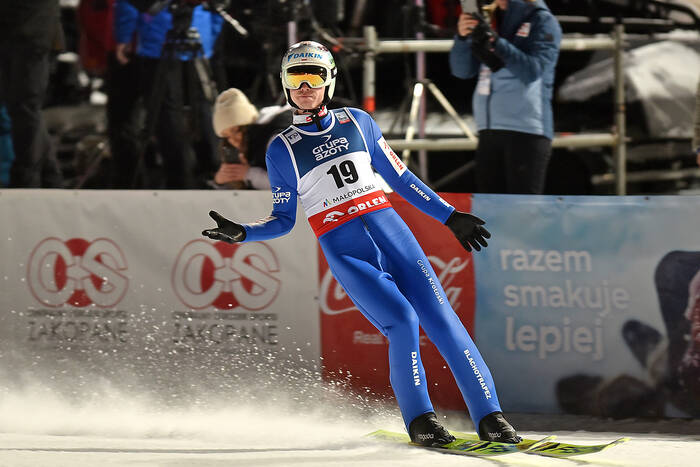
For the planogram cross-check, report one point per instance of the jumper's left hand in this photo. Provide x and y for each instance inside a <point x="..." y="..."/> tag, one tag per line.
<point x="469" y="230"/>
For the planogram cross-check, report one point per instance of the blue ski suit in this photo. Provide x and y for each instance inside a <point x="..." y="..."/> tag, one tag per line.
<point x="371" y="251"/>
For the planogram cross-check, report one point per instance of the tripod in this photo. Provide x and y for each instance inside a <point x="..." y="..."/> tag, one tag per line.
<point x="417" y="113"/>
<point x="181" y="40"/>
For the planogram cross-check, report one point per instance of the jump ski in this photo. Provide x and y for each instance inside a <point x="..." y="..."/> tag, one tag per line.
<point x="555" y="449"/>
<point x="464" y="446"/>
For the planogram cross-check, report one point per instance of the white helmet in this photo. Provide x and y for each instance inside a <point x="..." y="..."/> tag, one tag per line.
<point x="311" y="63"/>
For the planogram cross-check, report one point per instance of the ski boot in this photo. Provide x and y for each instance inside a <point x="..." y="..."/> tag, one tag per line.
<point x="427" y="431"/>
<point x="494" y="427"/>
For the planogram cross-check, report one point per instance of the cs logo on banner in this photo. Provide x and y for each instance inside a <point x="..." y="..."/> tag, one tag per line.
<point x="77" y="273"/>
<point x="226" y="276"/>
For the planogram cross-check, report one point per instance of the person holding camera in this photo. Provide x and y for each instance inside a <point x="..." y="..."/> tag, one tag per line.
<point x="174" y="82"/>
<point x="514" y="53"/>
<point x="245" y="134"/>
<point x="327" y="159"/>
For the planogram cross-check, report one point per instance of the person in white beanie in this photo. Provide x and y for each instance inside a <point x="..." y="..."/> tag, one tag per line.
<point x="245" y="134"/>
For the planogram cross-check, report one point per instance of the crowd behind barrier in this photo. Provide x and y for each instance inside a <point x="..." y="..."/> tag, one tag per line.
<point x="134" y="159"/>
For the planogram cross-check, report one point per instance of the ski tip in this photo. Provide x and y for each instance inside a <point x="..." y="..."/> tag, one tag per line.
<point x="618" y="441"/>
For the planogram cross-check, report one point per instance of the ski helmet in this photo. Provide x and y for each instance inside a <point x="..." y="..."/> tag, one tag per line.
<point x="311" y="63"/>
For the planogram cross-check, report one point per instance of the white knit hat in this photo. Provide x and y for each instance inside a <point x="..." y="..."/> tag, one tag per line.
<point x="232" y="107"/>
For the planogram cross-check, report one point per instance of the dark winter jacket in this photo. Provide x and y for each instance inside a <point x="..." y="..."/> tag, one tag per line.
<point x="517" y="97"/>
<point x="31" y="22"/>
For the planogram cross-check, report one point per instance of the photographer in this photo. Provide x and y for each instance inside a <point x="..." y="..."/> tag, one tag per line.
<point x="245" y="134"/>
<point x="173" y="82"/>
<point x="514" y="55"/>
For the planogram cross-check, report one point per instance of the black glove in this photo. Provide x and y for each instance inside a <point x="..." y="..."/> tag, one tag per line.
<point x="486" y="55"/>
<point x="227" y="231"/>
<point x="468" y="230"/>
<point x="483" y="38"/>
<point x="482" y="32"/>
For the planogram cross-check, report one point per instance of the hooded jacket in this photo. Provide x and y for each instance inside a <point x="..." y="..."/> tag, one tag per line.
<point x="517" y="97"/>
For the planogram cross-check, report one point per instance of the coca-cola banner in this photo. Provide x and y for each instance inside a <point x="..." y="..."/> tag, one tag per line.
<point x="355" y="351"/>
<point x="591" y="304"/>
<point x="129" y="273"/>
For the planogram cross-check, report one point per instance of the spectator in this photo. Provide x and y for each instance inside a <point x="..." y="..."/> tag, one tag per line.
<point x="178" y="73"/>
<point x="7" y="155"/>
<point x="514" y="55"/>
<point x="29" y="32"/>
<point x="246" y="134"/>
<point x="98" y="57"/>
<point x="696" y="132"/>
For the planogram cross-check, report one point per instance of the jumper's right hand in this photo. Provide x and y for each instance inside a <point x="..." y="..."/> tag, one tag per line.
<point x="466" y="24"/>
<point x="226" y="231"/>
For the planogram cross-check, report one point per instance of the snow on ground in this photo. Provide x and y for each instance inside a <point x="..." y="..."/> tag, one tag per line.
<point x="38" y="430"/>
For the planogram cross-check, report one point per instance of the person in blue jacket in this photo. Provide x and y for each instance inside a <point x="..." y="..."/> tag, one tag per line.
<point x="150" y="30"/>
<point x="514" y="55"/>
<point x="327" y="159"/>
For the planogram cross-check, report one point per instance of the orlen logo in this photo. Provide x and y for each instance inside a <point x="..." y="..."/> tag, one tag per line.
<point x="226" y="276"/>
<point x="77" y="273"/>
<point x="331" y="216"/>
<point x="335" y="301"/>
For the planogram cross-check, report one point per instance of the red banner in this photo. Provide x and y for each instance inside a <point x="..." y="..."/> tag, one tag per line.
<point x="354" y="350"/>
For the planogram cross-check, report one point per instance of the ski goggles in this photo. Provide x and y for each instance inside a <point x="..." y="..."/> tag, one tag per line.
<point x="313" y="75"/>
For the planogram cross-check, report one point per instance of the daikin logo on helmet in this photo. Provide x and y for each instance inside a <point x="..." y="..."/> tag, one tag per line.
<point x="304" y="55"/>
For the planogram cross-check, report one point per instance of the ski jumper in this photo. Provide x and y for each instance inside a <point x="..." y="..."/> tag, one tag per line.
<point x="371" y="251"/>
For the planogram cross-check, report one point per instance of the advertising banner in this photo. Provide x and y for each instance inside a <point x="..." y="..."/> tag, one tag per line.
<point x="584" y="305"/>
<point x="96" y="275"/>
<point x="587" y="304"/>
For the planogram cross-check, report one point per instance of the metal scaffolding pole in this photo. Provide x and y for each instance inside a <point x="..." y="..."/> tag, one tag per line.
<point x="620" y="120"/>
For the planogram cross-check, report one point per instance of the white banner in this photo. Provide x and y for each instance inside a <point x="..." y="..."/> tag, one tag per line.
<point x="130" y="272"/>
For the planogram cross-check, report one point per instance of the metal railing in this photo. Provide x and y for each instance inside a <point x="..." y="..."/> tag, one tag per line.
<point x="616" y="139"/>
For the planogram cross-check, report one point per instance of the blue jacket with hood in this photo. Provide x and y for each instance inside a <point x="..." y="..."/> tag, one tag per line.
<point x="517" y="97"/>
<point x="152" y="29"/>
